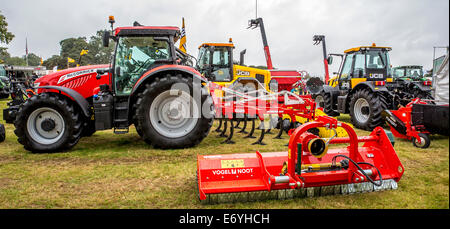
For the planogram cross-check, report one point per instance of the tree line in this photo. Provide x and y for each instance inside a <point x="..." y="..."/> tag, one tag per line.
<point x="69" y="48"/>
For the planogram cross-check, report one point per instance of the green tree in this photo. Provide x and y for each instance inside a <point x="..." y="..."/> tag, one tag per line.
<point x="33" y="59"/>
<point x="18" y="61"/>
<point x="5" y="36"/>
<point x="97" y="53"/>
<point x="55" y="60"/>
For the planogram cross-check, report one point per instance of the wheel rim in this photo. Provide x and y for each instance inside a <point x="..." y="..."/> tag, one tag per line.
<point x="173" y="114"/>
<point x="319" y="101"/>
<point x="422" y="142"/>
<point x="361" y="104"/>
<point x="45" y="126"/>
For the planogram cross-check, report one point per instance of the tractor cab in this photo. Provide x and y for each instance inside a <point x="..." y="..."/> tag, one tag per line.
<point x="365" y="63"/>
<point x="215" y="62"/>
<point x="139" y="49"/>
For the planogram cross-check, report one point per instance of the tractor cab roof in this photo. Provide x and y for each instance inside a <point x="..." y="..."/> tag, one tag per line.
<point x="217" y="45"/>
<point x="373" y="47"/>
<point x="148" y="30"/>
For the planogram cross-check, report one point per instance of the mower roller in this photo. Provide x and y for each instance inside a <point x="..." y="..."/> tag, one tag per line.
<point x="310" y="167"/>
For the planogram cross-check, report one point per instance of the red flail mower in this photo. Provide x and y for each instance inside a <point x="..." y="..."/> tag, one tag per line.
<point x="310" y="167"/>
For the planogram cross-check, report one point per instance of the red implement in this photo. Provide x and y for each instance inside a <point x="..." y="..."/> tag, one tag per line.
<point x="307" y="169"/>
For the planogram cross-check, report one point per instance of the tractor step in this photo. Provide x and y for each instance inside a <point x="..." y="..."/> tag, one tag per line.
<point x="121" y="130"/>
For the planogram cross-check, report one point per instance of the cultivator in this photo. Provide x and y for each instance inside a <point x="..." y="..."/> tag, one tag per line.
<point x="311" y="167"/>
<point x="242" y="107"/>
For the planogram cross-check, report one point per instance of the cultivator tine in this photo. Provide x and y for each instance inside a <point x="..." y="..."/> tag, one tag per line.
<point x="252" y="131"/>
<point x="220" y="126"/>
<point x="244" y="127"/>
<point x="310" y="192"/>
<point x="261" y="136"/>
<point x="280" y="132"/>
<point x="225" y="126"/>
<point x="237" y="124"/>
<point x="228" y="140"/>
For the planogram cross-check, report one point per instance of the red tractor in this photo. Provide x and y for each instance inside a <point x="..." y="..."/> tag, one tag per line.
<point x="149" y="83"/>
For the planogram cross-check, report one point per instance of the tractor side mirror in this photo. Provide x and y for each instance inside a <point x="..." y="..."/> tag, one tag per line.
<point x="330" y="59"/>
<point x="106" y="36"/>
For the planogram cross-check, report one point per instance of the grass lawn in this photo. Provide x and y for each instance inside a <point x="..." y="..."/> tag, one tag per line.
<point x="121" y="171"/>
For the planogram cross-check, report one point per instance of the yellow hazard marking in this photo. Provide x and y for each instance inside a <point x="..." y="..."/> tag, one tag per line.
<point x="226" y="164"/>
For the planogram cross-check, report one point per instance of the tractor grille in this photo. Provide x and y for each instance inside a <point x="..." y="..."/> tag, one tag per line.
<point x="77" y="82"/>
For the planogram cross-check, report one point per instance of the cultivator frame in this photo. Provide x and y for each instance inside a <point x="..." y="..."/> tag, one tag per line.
<point x="231" y="105"/>
<point x="308" y="169"/>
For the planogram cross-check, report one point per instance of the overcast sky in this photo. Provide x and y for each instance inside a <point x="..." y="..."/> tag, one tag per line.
<point x="410" y="27"/>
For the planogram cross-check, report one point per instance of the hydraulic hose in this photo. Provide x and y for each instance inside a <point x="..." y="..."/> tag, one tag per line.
<point x="361" y="170"/>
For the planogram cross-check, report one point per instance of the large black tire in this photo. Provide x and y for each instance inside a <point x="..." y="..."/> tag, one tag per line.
<point x="328" y="105"/>
<point x="157" y="129"/>
<point x="366" y="108"/>
<point x="2" y="133"/>
<point x="88" y="128"/>
<point x="33" y="139"/>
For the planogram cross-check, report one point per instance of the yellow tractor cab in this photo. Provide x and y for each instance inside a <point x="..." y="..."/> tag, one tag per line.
<point x="215" y="62"/>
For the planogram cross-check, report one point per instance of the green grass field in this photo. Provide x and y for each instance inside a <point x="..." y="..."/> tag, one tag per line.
<point x="121" y="171"/>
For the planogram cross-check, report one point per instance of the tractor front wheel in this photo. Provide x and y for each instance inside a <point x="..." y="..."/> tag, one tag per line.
<point x="365" y="109"/>
<point x="48" y="123"/>
<point x="328" y="105"/>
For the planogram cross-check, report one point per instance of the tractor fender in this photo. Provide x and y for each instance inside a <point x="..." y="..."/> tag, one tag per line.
<point x="167" y="68"/>
<point x="74" y="95"/>
<point x="334" y="91"/>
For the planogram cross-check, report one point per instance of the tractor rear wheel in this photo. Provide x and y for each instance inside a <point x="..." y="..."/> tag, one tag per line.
<point x="169" y="116"/>
<point x="365" y="109"/>
<point x="48" y="123"/>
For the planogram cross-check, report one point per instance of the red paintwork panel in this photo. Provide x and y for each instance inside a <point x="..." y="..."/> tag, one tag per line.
<point x="81" y="79"/>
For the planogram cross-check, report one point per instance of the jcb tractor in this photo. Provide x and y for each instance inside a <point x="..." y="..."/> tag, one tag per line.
<point x="360" y="87"/>
<point x="215" y="62"/>
<point x="146" y="84"/>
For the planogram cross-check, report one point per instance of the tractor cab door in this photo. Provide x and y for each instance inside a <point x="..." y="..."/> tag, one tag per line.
<point x="134" y="56"/>
<point x="215" y="63"/>
<point x="221" y="64"/>
<point x="346" y="72"/>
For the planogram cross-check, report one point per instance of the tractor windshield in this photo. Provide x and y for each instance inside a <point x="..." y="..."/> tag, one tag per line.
<point x="376" y="59"/>
<point x="414" y="73"/>
<point x="134" y="56"/>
